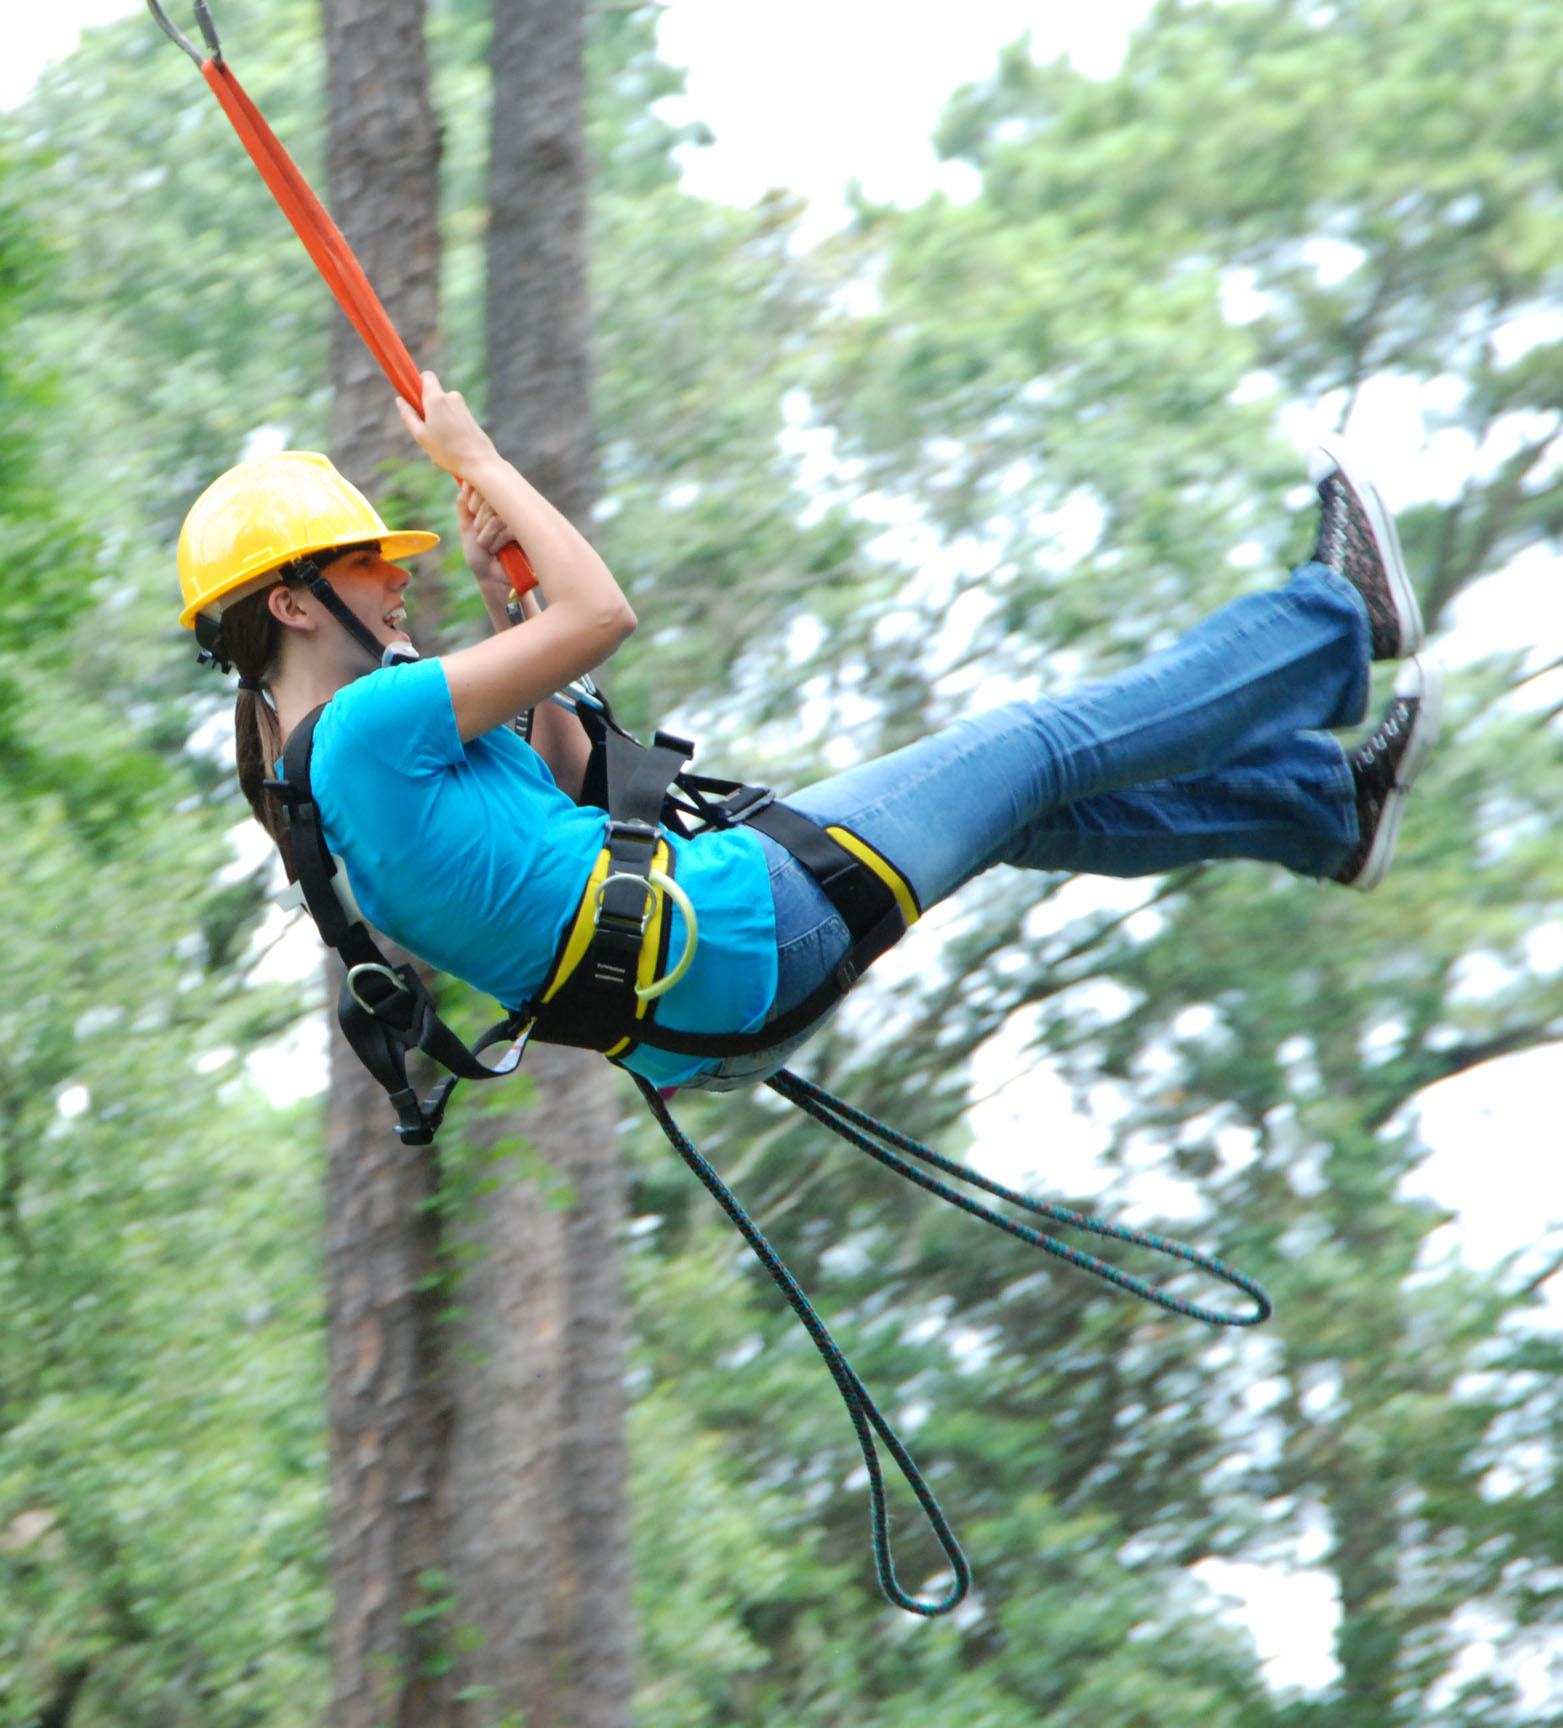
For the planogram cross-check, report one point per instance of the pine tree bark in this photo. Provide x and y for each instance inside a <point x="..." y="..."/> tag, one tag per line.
<point x="389" y="1408"/>
<point x="539" y="307"/>
<point x="541" y="1532"/>
<point x="539" y="1539"/>
<point x="499" y="1467"/>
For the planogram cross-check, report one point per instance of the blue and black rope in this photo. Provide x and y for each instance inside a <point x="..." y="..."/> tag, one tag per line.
<point x="885" y="1145"/>
<point x="867" y="1419"/>
<point x="856" y="1127"/>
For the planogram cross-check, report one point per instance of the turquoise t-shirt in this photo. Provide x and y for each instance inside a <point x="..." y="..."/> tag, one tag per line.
<point x="471" y="857"/>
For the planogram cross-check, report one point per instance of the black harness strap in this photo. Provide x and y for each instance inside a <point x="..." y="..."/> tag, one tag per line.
<point x="592" y="1003"/>
<point x="866" y="902"/>
<point x="384" y="1010"/>
<point x="593" y="1006"/>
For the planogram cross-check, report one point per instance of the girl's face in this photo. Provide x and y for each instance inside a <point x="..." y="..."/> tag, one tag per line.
<point x="374" y="591"/>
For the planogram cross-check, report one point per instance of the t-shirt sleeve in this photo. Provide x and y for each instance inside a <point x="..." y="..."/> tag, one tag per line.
<point x="401" y="716"/>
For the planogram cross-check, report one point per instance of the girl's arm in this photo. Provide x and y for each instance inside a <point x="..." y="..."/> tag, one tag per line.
<point x="587" y="616"/>
<point x="557" y="736"/>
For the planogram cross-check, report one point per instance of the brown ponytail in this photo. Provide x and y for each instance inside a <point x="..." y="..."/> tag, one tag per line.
<point x="252" y="640"/>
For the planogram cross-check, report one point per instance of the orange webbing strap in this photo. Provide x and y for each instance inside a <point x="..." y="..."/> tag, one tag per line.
<point x="334" y="259"/>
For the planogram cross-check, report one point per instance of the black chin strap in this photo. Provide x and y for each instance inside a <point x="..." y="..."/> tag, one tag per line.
<point x="209" y="639"/>
<point x="304" y="573"/>
<point x="337" y="607"/>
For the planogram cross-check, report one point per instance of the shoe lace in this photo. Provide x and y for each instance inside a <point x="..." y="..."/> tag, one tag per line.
<point x="1387" y="735"/>
<point x="1334" y="510"/>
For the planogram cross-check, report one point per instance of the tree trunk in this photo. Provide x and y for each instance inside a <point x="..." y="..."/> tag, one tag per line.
<point x="539" y="1544"/>
<point x="539" y="310"/>
<point x="388" y="1407"/>
<point x="538" y="1455"/>
<point x="382" y="178"/>
<point x="389" y="1412"/>
<point x="477" y="1499"/>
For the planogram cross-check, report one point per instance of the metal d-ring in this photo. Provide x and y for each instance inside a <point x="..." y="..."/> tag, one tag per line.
<point x="384" y="971"/>
<point x="203" y="17"/>
<point x="659" y="879"/>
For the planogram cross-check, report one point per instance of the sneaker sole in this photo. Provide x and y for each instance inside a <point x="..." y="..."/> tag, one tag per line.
<point x="1402" y="595"/>
<point x="1417" y="678"/>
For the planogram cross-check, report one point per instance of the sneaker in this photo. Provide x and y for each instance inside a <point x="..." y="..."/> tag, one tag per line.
<point x="1384" y="767"/>
<point x="1357" y="539"/>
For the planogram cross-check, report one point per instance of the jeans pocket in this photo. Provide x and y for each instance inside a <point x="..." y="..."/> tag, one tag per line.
<point x="806" y="957"/>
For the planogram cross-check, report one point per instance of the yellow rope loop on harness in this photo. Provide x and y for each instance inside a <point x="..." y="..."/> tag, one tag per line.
<point x="649" y="992"/>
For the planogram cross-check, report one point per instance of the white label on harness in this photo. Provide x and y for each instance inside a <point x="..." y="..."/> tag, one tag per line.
<point x="292" y="897"/>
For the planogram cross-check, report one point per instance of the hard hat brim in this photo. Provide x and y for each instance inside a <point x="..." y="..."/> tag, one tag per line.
<point x="406" y="544"/>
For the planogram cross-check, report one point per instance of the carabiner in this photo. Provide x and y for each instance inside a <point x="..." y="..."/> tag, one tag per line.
<point x="203" y="17"/>
<point x="398" y="988"/>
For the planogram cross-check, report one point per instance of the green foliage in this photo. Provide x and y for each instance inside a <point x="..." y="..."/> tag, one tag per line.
<point x="48" y="558"/>
<point x="161" y="1457"/>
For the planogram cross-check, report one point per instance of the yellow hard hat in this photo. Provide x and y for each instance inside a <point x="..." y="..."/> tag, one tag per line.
<point x="265" y="513"/>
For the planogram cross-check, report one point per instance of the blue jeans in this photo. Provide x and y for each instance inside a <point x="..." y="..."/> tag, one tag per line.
<point x="1216" y="747"/>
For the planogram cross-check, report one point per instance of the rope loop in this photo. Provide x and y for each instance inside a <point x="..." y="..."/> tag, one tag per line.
<point x="867" y="1419"/>
<point x="883" y="1144"/>
<point x="869" y="1424"/>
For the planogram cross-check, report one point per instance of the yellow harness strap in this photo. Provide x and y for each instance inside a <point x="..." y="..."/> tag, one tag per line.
<point x="584" y="926"/>
<point x="883" y="869"/>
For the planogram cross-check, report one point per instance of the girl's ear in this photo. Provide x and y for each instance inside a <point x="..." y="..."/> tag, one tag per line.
<point x="283" y="604"/>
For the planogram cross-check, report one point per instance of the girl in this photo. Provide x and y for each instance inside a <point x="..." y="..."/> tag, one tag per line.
<point x="466" y="845"/>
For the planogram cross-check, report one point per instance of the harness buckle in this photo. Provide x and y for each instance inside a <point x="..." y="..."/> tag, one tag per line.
<point x="648" y="885"/>
<point x="293" y="801"/>
<point x="747" y="801"/>
<point x="640" y="882"/>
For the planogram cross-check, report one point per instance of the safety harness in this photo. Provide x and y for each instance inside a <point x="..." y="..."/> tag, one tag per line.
<point x="610" y="967"/>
